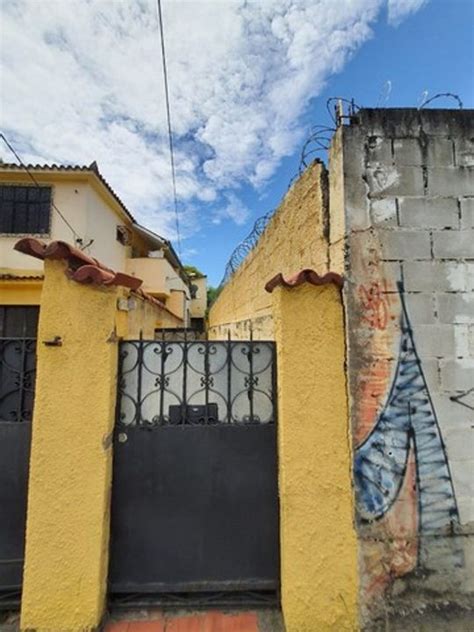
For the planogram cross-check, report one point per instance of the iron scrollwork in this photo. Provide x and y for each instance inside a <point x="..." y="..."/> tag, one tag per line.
<point x="189" y="382"/>
<point x="17" y="379"/>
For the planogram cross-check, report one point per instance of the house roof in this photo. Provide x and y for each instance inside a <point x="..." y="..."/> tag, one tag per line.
<point x="82" y="268"/>
<point x="9" y="276"/>
<point x="85" y="269"/>
<point x="55" y="168"/>
<point x="304" y="276"/>
<point x="93" y="169"/>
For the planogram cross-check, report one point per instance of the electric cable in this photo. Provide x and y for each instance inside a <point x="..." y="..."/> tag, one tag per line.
<point x="168" y="116"/>
<point x="77" y="239"/>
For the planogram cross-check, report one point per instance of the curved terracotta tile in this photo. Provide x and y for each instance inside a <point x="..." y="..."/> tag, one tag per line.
<point x="31" y="246"/>
<point x="304" y="276"/>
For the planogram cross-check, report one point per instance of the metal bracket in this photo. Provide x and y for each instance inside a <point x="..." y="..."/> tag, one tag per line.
<point x="55" y="342"/>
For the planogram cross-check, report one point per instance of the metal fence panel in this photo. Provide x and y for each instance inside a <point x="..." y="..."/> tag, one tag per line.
<point x="196" y="382"/>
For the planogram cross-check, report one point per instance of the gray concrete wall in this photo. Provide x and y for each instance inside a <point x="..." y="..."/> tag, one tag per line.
<point x="406" y="178"/>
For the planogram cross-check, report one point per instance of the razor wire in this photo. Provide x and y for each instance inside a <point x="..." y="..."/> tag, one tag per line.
<point x="317" y="142"/>
<point x="245" y="247"/>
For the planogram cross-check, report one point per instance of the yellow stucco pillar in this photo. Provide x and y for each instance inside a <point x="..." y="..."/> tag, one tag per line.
<point x="70" y="469"/>
<point x="318" y="542"/>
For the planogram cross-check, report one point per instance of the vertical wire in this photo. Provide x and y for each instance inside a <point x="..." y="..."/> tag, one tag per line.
<point x="168" y="116"/>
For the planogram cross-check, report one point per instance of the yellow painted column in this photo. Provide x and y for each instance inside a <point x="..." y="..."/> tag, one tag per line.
<point x="70" y="469"/>
<point x="319" y="579"/>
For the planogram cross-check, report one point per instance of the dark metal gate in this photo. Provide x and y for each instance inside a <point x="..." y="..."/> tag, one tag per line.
<point x="17" y="369"/>
<point x="195" y="495"/>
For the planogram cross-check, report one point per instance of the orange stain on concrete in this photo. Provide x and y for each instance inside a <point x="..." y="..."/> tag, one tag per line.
<point x="373" y="380"/>
<point x="379" y="311"/>
<point x="384" y="560"/>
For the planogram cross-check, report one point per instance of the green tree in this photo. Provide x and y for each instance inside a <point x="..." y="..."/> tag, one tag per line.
<point x="193" y="272"/>
<point x="212" y="294"/>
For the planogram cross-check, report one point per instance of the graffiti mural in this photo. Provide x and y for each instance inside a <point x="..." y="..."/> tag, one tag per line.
<point x="402" y="474"/>
<point x="374" y="304"/>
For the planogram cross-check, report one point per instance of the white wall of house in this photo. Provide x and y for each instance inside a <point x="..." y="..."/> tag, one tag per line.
<point x="87" y="213"/>
<point x="199" y="303"/>
<point x="101" y="225"/>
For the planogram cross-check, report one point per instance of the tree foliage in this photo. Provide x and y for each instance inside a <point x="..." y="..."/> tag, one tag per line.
<point x="212" y="294"/>
<point x="193" y="271"/>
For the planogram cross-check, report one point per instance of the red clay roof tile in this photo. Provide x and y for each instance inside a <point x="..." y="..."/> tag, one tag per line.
<point x="85" y="269"/>
<point x="7" y="276"/>
<point x="99" y="276"/>
<point x="82" y="268"/>
<point x="304" y="276"/>
<point x="56" y="250"/>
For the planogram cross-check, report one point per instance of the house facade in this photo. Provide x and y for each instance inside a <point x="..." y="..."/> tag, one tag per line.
<point x="75" y="204"/>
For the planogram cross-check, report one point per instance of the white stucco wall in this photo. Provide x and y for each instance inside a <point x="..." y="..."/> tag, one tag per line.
<point x="199" y="304"/>
<point x="90" y="217"/>
<point x="101" y="225"/>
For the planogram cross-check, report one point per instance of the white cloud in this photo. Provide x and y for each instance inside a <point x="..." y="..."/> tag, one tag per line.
<point x="82" y="81"/>
<point x="189" y="253"/>
<point x="398" y="10"/>
<point x="234" y="209"/>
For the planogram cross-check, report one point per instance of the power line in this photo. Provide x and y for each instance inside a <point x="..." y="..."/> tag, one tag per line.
<point x="77" y="239"/>
<point x="168" y="116"/>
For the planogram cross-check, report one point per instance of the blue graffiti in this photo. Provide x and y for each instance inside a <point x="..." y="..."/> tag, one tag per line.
<point x="408" y="419"/>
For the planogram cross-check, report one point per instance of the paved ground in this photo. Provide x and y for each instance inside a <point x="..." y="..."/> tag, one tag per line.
<point x="210" y="621"/>
<point x="186" y="621"/>
<point x="449" y="620"/>
<point x="429" y="622"/>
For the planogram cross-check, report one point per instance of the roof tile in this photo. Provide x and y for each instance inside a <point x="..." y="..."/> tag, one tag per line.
<point x="85" y="269"/>
<point x="304" y="276"/>
<point x="8" y="276"/>
<point x="82" y="268"/>
<point x="92" y="168"/>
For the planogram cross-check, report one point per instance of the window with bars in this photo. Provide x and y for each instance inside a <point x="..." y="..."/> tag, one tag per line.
<point x="18" y="321"/>
<point x="25" y="210"/>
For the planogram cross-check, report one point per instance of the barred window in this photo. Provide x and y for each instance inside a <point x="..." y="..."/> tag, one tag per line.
<point x="25" y="209"/>
<point x="18" y="321"/>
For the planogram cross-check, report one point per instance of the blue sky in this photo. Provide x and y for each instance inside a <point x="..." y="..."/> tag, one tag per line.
<point x="431" y="50"/>
<point x="83" y="82"/>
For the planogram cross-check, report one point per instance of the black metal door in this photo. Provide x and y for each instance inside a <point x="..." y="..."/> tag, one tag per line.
<point x="195" y="495"/>
<point x="17" y="379"/>
<point x="14" y="459"/>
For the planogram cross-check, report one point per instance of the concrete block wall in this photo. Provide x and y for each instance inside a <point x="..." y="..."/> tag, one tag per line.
<point x="408" y="194"/>
<point x="295" y="238"/>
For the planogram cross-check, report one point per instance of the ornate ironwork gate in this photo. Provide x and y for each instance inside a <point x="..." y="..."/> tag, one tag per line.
<point x="195" y="495"/>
